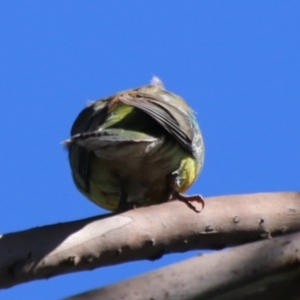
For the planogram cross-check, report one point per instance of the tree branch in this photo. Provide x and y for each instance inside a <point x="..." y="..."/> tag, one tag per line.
<point x="267" y="269"/>
<point x="145" y="233"/>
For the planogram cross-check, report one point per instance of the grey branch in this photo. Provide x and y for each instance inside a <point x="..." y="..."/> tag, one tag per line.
<point x="145" y="233"/>
<point x="260" y="270"/>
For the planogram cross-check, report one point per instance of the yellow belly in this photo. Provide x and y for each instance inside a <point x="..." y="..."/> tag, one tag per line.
<point x="143" y="179"/>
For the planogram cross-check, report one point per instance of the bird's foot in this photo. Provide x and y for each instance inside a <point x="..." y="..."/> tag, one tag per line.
<point x="188" y="199"/>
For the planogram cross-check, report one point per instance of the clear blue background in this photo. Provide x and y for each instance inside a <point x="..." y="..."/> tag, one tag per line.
<point x="237" y="63"/>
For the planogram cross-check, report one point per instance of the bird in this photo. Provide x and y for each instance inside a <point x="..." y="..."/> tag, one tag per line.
<point x="136" y="148"/>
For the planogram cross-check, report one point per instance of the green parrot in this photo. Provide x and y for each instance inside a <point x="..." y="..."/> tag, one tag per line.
<point x="136" y="148"/>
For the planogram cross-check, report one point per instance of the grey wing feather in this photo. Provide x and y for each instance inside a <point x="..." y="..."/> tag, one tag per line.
<point x="173" y="119"/>
<point x="90" y="117"/>
<point x="78" y="155"/>
<point x="95" y="140"/>
<point x="79" y="158"/>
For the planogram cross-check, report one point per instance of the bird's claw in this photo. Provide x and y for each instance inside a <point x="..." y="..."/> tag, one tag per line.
<point x="188" y="199"/>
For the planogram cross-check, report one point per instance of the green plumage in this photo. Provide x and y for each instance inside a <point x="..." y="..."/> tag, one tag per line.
<point x="136" y="148"/>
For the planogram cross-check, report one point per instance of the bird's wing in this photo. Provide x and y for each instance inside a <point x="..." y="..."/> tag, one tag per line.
<point x="79" y="160"/>
<point x="87" y="120"/>
<point x="97" y="140"/>
<point x="90" y="117"/>
<point x="175" y="120"/>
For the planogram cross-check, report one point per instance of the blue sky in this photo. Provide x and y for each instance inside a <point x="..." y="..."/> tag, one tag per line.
<point x="236" y="63"/>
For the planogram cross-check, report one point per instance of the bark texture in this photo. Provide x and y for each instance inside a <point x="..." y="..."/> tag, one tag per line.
<point x="267" y="269"/>
<point x="145" y="233"/>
